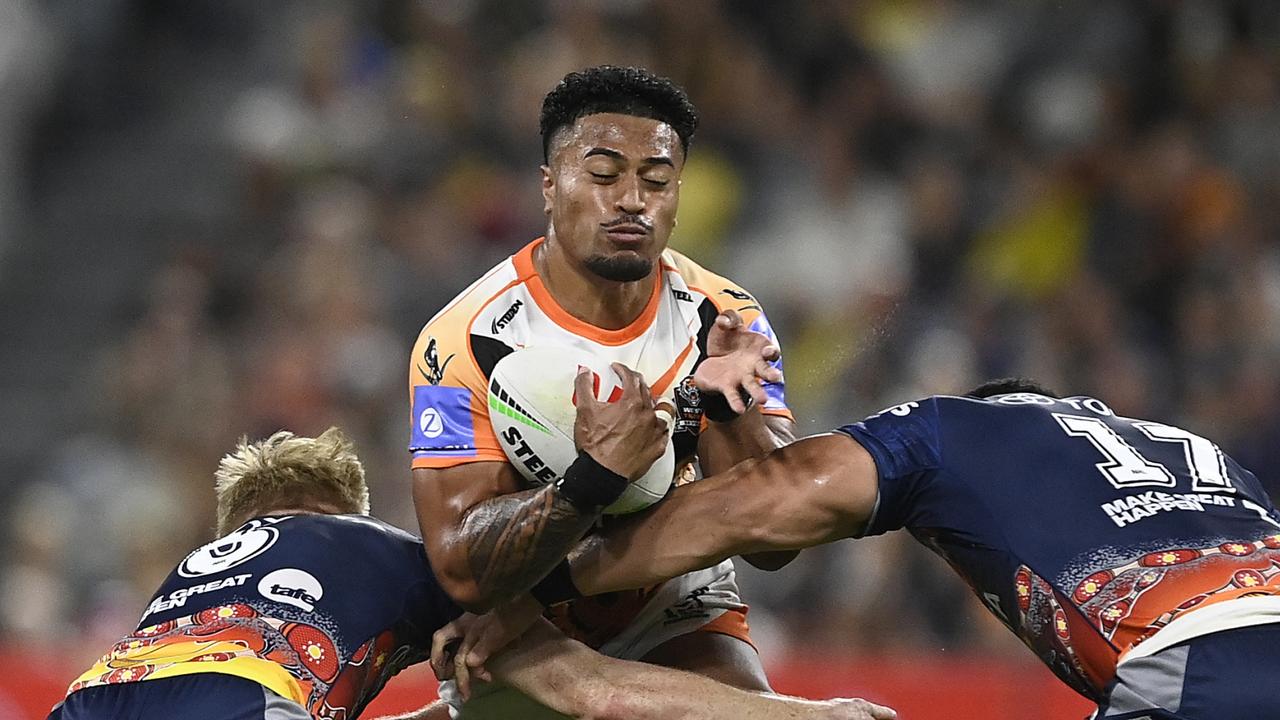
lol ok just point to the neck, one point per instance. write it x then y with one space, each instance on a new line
588 297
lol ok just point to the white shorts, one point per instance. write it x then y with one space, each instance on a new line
686 604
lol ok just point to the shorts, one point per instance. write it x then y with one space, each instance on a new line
203 696
706 600
1226 675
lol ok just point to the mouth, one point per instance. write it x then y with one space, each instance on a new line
628 234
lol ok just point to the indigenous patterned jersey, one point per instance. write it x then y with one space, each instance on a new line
1086 533
320 609
510 308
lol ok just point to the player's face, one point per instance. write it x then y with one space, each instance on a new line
611 192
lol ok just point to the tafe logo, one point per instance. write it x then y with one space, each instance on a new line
431 423
291 586
246 543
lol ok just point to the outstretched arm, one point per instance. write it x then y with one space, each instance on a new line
738 360
813 491
752 435
808 493
572 679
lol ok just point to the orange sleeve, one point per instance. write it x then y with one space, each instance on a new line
725 294
448 398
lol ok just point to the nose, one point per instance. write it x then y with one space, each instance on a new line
630 198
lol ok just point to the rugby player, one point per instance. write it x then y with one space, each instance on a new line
602 279
1135 558
305 607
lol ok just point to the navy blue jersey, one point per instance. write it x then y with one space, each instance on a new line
322 609
1083 531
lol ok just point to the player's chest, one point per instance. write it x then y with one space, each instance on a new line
664 347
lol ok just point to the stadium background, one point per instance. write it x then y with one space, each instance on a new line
223 217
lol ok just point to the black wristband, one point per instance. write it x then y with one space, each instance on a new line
716 408
589 485
556 587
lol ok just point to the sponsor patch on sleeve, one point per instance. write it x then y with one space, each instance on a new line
442 422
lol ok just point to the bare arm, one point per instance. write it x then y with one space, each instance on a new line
811 492
738 360
753 435
570 678
486 538
438 710
814 491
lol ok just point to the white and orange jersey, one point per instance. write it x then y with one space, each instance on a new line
510 308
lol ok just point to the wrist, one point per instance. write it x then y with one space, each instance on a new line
589 486
556 587
715 408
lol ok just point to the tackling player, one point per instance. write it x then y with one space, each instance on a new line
305 607
1139 562
602 279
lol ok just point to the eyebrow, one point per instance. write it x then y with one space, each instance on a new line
607 152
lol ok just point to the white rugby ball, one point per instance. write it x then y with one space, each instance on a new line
532 412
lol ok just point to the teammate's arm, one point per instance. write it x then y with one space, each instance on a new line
570 678
487 539
810 492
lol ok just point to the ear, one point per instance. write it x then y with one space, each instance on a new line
548 189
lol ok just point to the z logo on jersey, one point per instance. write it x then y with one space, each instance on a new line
434 371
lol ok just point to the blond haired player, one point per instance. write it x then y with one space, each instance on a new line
604 280
305 607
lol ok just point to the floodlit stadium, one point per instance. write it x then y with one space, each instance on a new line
219 220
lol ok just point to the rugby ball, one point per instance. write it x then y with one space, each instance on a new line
532 412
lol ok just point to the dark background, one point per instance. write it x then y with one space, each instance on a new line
221 218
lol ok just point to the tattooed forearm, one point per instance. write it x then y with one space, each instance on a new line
514 540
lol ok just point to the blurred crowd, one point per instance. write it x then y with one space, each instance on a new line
255 207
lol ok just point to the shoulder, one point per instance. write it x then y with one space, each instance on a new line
453 322
445 352
362 530
723 293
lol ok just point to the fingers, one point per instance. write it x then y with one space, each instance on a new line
767 372
859 709
753 388
633 383
729 320
490 640
442 665
462 675
880 712
734 397
666 412
444 646
582 386
462 665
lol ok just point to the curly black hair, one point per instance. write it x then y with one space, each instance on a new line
625 90
1005 386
